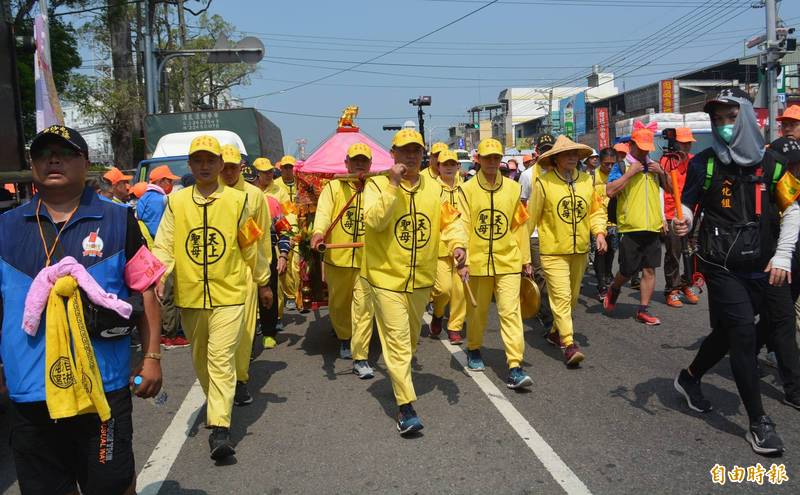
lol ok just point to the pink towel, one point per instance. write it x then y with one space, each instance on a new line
36 300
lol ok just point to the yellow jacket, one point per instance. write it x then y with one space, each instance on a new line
455 198
350 228
291 189
600 177
403 227
565 213
639 204
259 209
201 239
278 192
428 173
496 223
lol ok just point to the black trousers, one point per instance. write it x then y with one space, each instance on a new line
603 263
269 317
734 301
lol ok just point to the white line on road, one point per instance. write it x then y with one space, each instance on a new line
157 467
563 475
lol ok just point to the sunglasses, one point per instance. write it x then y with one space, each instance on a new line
48 153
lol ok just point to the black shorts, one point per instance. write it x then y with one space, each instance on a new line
639 250
53 457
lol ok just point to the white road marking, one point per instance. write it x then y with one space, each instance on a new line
157 467
557 468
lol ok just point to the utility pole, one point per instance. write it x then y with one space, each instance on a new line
149 57
549 120
773 59
187 88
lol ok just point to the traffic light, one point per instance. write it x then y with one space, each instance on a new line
472 125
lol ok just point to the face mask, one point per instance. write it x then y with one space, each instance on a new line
725 132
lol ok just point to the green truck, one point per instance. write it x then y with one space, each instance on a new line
259 136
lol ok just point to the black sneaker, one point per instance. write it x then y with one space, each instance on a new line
636 283
220 443
763 437
689 387
242 396
407 420
792 400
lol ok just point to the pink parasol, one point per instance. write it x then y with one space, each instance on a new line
329 157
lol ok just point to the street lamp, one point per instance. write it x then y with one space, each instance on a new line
419 102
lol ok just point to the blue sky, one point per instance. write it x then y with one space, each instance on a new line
514 43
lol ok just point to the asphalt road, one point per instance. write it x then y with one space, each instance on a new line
616 423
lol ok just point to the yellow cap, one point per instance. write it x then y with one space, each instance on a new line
490 146
359 149
288 160
230 154
263 164
407 136
205 143
447 155
438 148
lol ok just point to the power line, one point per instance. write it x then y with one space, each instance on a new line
372 60
589 3
320 116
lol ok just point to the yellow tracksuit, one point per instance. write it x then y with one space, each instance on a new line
499 245
448 288
281 194
401 244
257 204
204 241
564 214
290 279
349 306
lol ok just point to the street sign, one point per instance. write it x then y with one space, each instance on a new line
249 50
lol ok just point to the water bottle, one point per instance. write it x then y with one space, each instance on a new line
161 397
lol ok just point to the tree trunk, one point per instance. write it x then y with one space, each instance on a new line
187 87
119 27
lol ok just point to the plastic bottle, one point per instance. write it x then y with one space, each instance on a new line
161 397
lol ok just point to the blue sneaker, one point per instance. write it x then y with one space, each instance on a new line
290 305
517 378
474 360
407 420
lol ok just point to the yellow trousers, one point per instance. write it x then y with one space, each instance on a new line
399 316
563 274
506 289
350 308
448 289
245 348
289 281
215 334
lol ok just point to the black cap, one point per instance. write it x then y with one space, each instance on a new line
545 142
786 150
249 173
726 98
61 133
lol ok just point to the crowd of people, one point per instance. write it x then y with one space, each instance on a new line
214 262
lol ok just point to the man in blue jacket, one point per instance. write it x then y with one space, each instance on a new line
63 219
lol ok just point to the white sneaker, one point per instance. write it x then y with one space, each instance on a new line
344 350
362 369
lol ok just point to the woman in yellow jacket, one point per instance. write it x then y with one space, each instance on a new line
349 306
565 207
499 249
448 289
290 277
207 236
404 218
231 176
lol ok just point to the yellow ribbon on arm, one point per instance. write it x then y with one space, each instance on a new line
787 190
73 384
449 214
249 233
521 216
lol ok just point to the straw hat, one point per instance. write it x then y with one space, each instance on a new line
563 143
530 298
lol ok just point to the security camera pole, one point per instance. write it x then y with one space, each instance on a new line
422 101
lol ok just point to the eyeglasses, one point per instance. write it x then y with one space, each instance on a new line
48 153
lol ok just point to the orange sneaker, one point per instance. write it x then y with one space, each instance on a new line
690 296
674 299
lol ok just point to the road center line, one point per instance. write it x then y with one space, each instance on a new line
157 467
557 468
